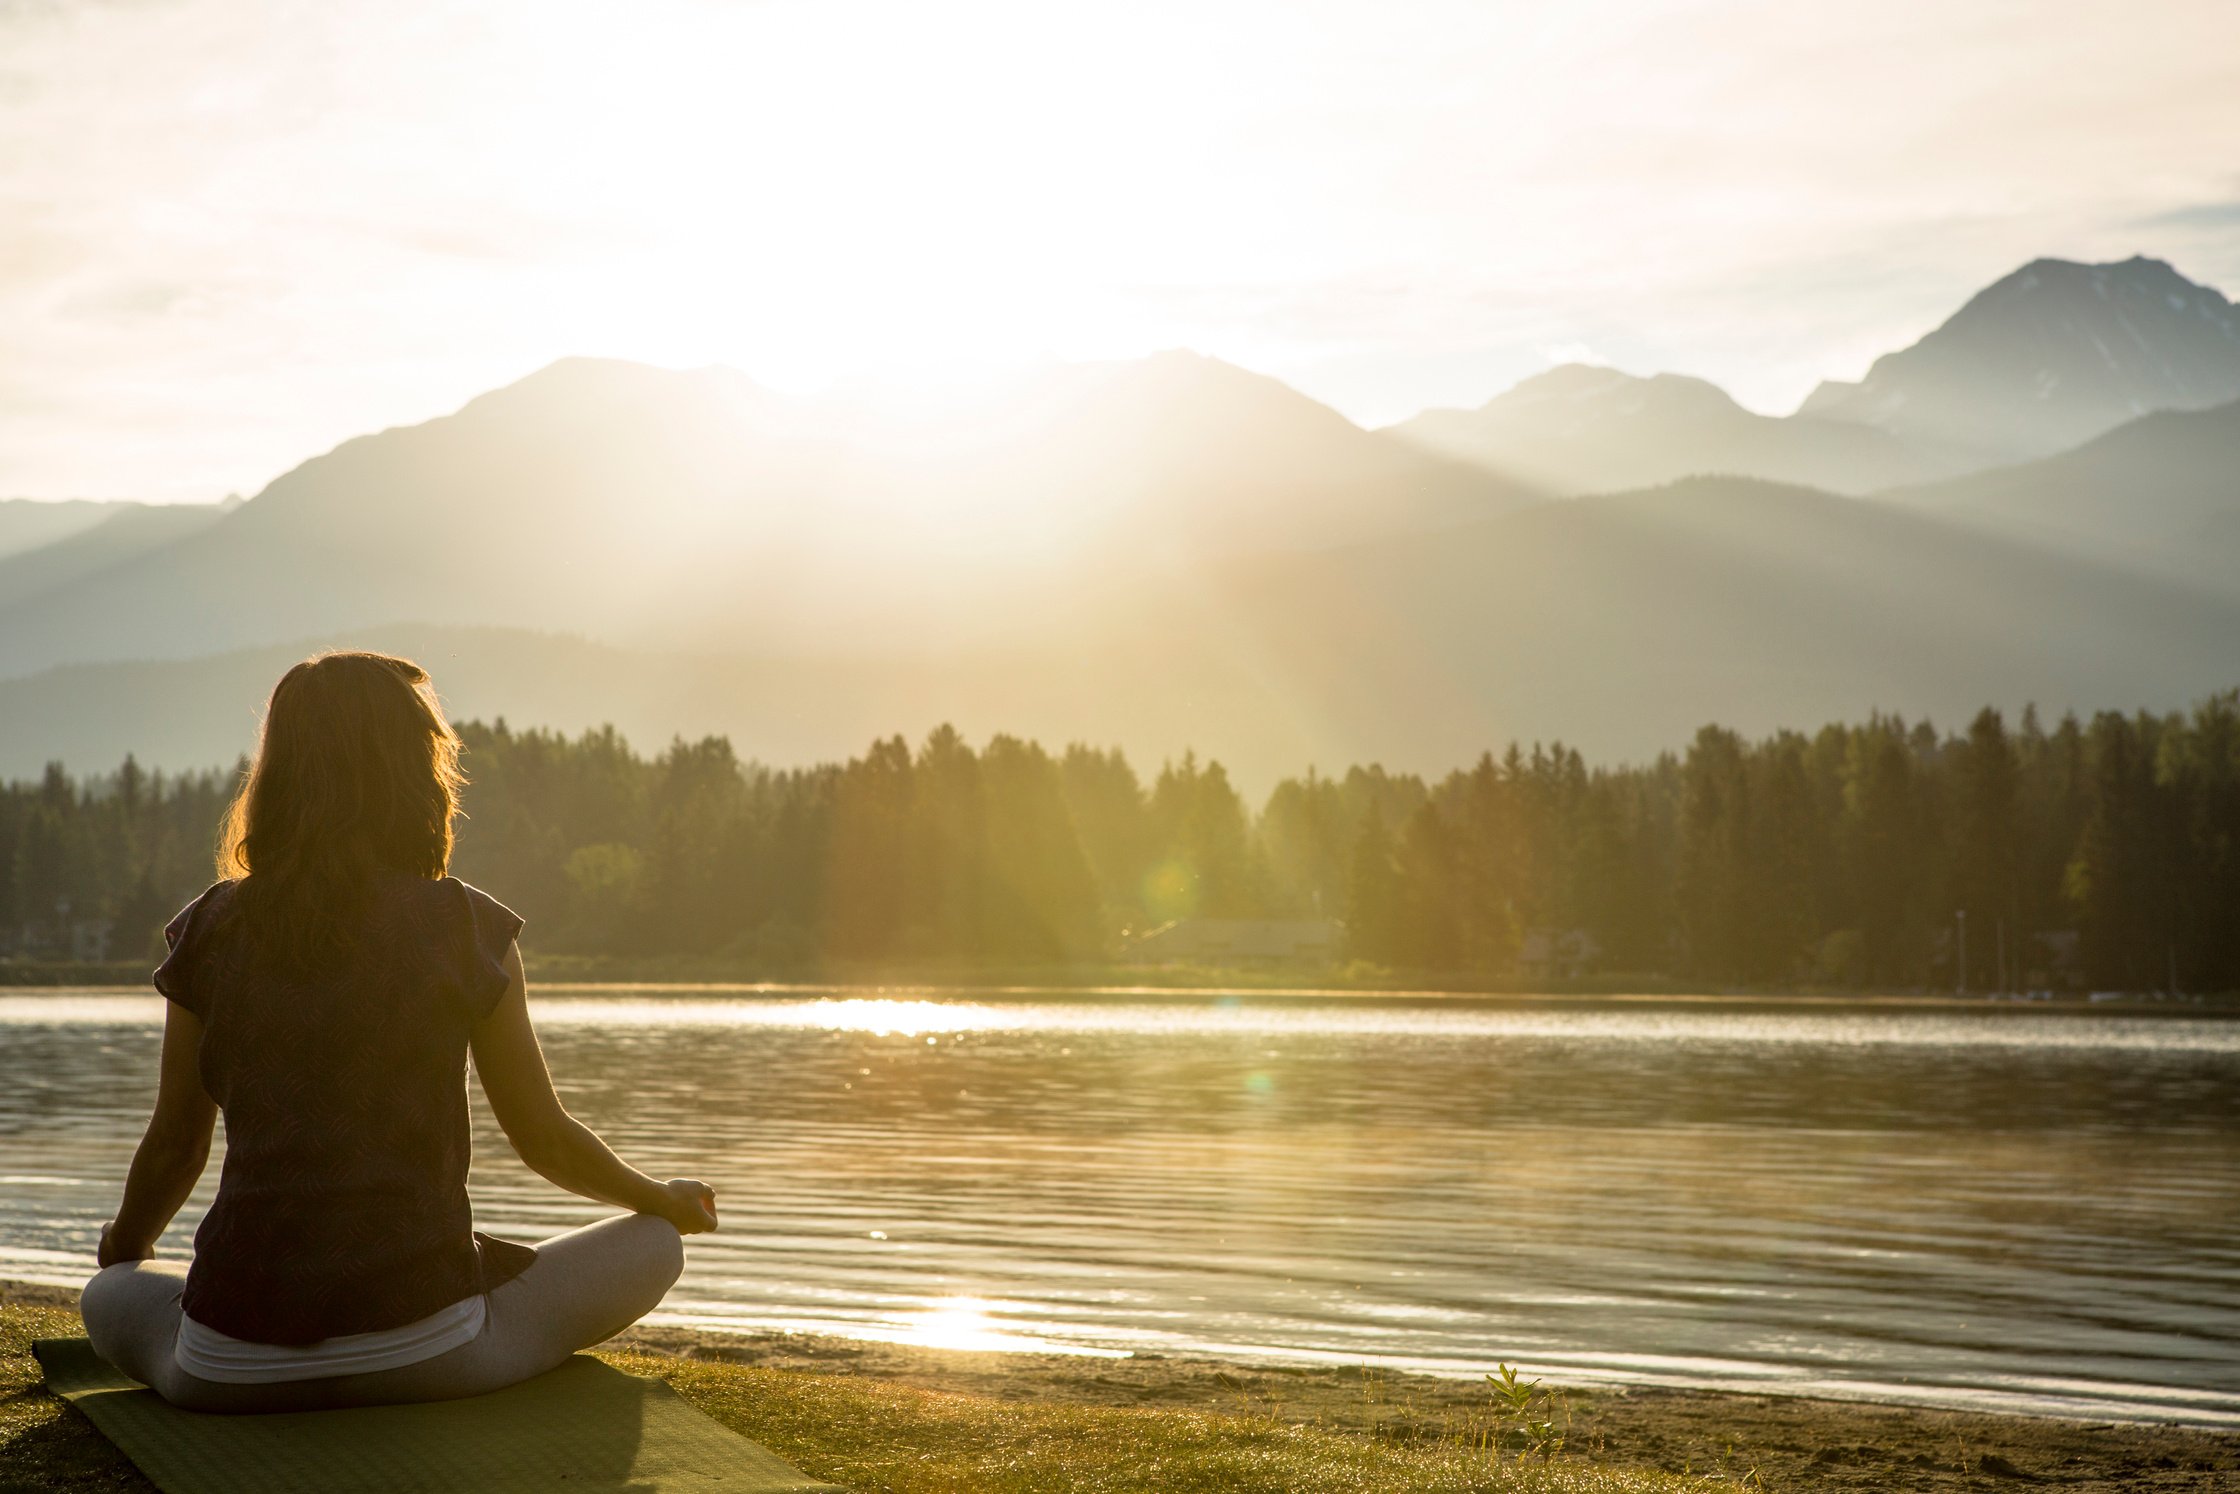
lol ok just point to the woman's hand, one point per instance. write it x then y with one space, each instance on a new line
172 1154
115 1251
556 1145
690 1205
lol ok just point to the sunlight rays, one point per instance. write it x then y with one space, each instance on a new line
1390 206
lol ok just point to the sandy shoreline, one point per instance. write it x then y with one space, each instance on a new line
1792 1443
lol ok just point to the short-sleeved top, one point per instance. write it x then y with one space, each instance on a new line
342 1207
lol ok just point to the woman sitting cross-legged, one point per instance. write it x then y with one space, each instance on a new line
325 996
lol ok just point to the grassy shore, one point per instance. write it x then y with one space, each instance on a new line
871 1434
914 1421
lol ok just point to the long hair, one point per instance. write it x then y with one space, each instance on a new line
356 773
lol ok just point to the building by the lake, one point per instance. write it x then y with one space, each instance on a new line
1237 941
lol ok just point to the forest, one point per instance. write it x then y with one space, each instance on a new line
2101 853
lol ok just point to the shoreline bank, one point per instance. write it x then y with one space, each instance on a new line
1792 1442
104 983
562 972
1789 1443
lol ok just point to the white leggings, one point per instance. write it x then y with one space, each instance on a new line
586 1285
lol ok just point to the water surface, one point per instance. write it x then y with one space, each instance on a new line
2018 1210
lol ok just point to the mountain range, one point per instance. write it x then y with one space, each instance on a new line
649 506
2040 361
1173 552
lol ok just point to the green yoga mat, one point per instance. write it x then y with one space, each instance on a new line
585 1426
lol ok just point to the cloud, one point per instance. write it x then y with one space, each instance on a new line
240 230
1560 353
129 301
2211 215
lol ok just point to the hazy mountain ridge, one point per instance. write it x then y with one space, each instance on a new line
104 526
2162 492
640 504
1617 623
1582 429
30 523
109 536
1623 622
2148 480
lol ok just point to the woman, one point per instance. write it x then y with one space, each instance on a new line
325 995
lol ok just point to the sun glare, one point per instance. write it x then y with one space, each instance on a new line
820 193
970 1324
883 1017
960 1323
947 234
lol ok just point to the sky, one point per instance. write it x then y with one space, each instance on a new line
237 233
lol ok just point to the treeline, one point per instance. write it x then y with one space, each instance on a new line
93 870
2104 853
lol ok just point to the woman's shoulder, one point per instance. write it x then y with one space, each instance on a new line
433 892
456 890
461 904
187 941
486 932
203 913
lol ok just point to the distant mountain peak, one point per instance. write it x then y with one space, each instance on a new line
2046 280
1584 428
1568 380
2137 264
1666 394
2049 356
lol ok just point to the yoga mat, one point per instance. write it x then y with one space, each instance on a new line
584 1426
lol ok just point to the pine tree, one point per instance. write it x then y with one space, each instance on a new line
1373 896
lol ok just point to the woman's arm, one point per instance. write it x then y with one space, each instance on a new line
174 1150
554 1143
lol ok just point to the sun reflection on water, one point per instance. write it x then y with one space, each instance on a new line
1409 1186
886 1017
970 1324
959 1323
880 1016
1215 1014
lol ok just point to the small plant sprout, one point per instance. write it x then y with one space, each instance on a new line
1531 1410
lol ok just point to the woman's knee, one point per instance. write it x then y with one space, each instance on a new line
131 1313
587 1285
630 1257
648 1262
98 1297
660 1247
130 1290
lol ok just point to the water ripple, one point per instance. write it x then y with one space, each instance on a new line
2000 1209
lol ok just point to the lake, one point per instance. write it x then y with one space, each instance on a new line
2003 1209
